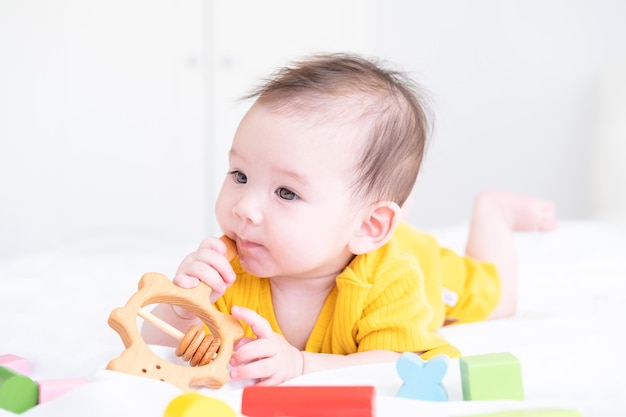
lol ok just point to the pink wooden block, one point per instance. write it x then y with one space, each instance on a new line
15 363
53 388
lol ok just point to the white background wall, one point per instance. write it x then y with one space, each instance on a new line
101 120
115 116
516 87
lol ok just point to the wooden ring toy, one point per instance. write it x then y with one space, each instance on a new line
139 359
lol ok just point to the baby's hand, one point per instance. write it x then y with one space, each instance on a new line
269 358
209 265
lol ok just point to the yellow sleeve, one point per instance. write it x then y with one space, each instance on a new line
477 285
388 310
397 315
474 284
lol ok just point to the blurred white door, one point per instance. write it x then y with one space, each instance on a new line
102 120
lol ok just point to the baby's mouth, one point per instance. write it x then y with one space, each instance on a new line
246 244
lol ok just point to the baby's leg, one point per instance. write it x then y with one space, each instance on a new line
523 213
495 217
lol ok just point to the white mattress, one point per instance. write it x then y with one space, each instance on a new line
54 308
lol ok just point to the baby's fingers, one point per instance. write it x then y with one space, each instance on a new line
213 252
256 350
263 371
193 271
259 325
209 265
186 281
243 341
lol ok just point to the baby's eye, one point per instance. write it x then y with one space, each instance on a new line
239 177
287 194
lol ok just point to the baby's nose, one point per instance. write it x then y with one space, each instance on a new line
248 209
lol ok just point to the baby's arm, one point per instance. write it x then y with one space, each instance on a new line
314 362
495 218
207 264
271 360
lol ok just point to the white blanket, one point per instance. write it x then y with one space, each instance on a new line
54 308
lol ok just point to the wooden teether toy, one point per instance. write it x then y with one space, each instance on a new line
196 346
211 352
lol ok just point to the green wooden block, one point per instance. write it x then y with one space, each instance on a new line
493 376
18 393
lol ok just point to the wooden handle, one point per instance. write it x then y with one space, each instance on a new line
231 252
231 248
164 326
138 359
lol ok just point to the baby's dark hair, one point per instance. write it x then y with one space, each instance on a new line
385 104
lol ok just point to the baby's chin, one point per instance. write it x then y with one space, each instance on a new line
263 263
253 267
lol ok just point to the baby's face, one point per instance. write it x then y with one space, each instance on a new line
286 199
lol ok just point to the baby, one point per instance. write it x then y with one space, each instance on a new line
327 274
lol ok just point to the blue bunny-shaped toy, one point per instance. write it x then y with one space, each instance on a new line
422 379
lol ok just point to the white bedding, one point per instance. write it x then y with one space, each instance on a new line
54 308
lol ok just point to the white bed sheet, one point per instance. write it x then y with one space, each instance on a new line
568 333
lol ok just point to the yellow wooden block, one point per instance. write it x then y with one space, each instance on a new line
192 404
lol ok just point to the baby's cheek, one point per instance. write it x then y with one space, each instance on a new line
221 212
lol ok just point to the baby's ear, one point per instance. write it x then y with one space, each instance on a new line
378 224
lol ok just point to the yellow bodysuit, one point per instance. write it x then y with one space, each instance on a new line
389 299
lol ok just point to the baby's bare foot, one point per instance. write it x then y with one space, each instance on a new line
523 213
